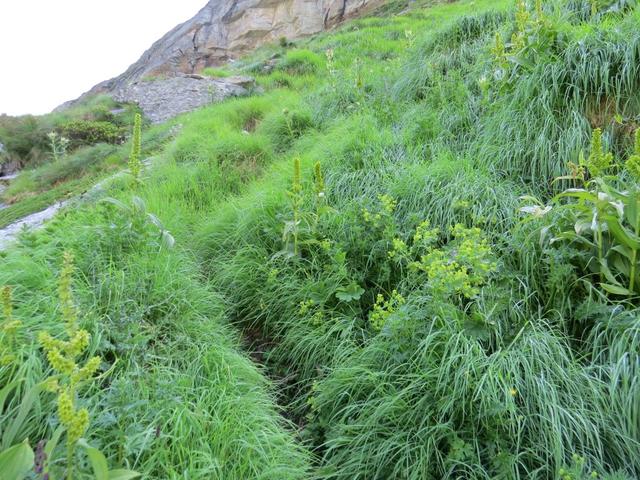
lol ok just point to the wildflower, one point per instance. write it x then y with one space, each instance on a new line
8 329
388 203
598 161
382 309
399 249
513 392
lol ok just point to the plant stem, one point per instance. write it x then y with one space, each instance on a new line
634 253
70 451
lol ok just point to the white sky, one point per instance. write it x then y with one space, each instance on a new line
52 51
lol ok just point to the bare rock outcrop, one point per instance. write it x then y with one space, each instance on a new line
226 29
163 99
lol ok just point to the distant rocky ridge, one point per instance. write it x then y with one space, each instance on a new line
162 81
226 29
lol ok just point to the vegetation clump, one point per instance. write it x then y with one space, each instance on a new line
413 255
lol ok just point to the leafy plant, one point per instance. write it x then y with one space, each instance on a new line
138 223
9 351
605 219
58 145
70 376
90 132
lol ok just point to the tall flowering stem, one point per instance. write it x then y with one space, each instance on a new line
8 329
295 195
135 163
63 358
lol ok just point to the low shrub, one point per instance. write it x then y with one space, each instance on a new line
90 132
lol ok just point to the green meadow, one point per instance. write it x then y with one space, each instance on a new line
411 254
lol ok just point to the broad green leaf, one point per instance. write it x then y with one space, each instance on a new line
15 462
116 203
97 460
615 289
604 269
631 207
121 474
622 234
53 443
623 250
621 265
352 292
579 193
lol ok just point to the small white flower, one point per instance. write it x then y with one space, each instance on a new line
321 194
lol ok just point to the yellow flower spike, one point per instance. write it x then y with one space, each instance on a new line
7 359
7 305
297 177
60 363
513 392
78 426
49 343
65 408
89 369
51 385
78 343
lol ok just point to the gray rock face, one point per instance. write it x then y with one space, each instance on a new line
161 100
225 29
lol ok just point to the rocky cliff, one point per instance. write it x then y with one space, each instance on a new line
225 29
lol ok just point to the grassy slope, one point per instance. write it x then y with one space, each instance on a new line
399 114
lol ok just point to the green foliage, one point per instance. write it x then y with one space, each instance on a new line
216 72
89 132
406 322
603 222
301 62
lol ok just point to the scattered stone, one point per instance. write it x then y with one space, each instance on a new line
168 98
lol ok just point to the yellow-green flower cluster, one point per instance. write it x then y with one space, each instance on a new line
384 308
8 330
499 52
598 161
398 249
75 421
296 186
62 356
425 236
382 218
460 267
388 203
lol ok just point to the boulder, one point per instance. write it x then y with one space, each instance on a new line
163 99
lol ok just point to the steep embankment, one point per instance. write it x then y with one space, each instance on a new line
384 219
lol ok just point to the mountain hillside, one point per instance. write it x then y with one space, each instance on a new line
226 29
411 252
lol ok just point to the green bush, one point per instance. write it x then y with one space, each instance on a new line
90 132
